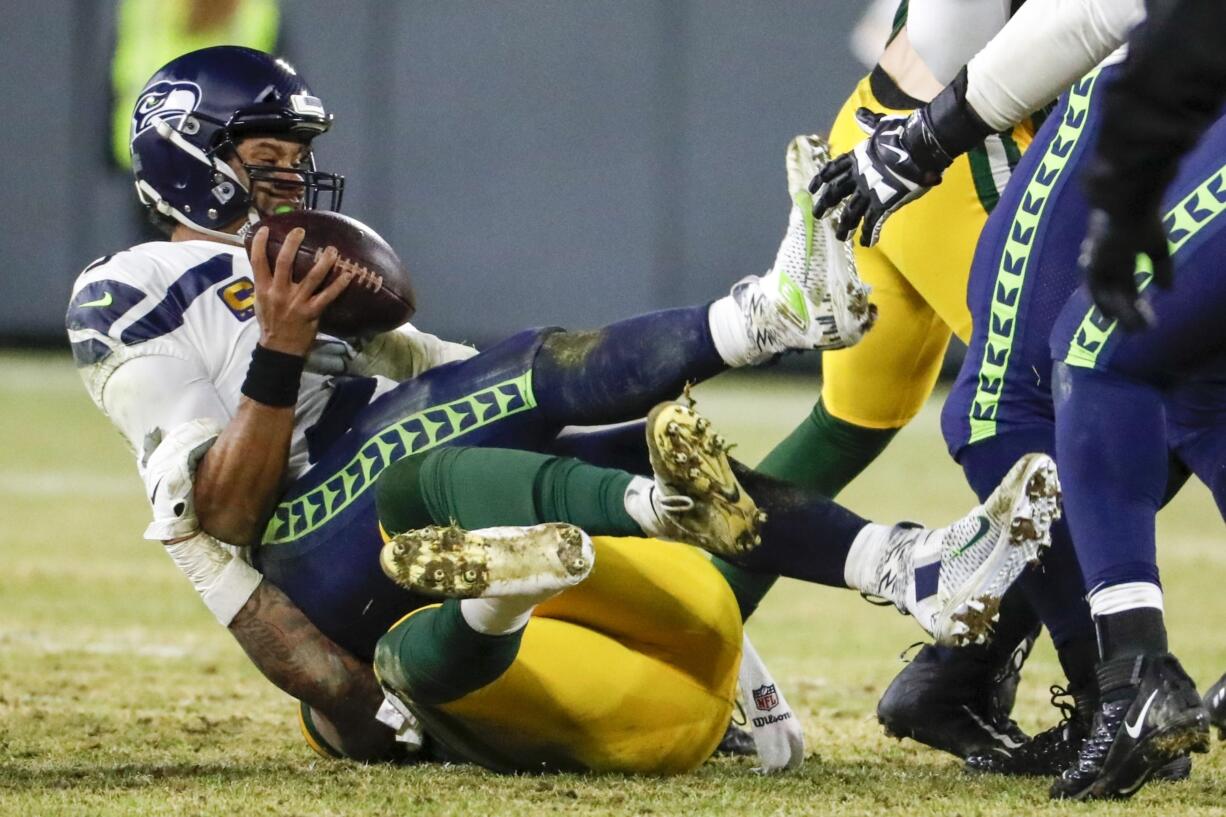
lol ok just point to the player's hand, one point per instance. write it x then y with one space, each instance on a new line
289 312
879 175
1109 260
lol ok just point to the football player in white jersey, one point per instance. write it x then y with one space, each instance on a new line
201 357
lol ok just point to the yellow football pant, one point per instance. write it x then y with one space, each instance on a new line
633 671
918 271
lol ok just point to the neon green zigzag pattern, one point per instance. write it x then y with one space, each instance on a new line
1187 218
1007 293
418 432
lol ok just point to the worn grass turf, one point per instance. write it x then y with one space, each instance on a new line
120 696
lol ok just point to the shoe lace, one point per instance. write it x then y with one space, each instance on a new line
1063 700
1047 751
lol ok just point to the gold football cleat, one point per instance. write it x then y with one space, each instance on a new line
691 463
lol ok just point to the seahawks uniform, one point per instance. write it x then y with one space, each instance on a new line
1028 310
163 334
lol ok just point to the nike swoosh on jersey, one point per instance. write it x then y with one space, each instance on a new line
1134 729
105 300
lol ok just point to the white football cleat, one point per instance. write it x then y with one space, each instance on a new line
488 562
952 579
810 249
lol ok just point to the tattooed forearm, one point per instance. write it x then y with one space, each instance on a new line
305 663
298 658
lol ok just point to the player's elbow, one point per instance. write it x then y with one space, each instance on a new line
227 518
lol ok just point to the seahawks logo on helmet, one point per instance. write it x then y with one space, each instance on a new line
168 100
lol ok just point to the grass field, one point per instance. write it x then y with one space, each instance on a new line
119 695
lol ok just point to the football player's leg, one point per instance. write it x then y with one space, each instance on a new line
632 671
1003 389
869 391
1196 428
619 446
1112 390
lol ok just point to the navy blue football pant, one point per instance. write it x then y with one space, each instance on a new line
1000 406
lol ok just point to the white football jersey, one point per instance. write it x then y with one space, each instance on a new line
163 334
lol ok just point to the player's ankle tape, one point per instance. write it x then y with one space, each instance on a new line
273 377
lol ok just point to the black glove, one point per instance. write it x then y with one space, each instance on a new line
901 159
1109 259
880 174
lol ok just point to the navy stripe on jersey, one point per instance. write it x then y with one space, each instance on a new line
99 304
167 316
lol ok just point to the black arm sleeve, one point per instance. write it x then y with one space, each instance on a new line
1168 93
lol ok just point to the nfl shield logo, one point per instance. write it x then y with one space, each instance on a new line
765 698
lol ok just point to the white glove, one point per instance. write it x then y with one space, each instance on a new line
776 732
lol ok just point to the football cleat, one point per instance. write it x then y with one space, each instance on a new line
1055 749
1051 751
957 703
698 498
952 579
1148 717
505 561
810 248
1215 702
812 297
736 742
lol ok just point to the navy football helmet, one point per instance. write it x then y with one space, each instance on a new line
188 118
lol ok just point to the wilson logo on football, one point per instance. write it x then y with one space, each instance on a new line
169 101
765 698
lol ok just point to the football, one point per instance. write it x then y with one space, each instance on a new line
379 298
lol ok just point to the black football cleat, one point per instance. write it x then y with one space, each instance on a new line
1051 751
736 742
958 702
1149 716
1215 702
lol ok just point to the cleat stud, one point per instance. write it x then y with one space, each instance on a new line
681 456
693 473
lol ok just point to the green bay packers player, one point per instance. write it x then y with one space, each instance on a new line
918 272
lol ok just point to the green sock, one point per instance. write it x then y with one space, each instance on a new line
825 453
747 588
484 487
435 657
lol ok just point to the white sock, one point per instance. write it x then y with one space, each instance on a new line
500 615
860 569
730 334
1117 598
647 505
640 507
